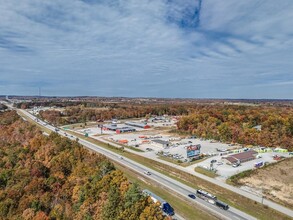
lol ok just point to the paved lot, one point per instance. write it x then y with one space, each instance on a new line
226 170
177 149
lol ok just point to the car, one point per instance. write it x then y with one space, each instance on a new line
220 163
147 172
213 161
236 165
191 196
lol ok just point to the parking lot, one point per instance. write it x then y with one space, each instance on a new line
224 170
144 139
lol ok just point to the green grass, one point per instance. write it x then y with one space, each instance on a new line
206 172
168 159
234 180
183 164
126 146
249 206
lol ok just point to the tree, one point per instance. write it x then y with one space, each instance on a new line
132 196
111 210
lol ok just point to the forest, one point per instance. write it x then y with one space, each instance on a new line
226 123
237 124
83 113
50 177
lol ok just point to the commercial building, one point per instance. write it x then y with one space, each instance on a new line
110 127
136 124
241 157
161 143
124 130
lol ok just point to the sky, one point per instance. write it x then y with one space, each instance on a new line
147 48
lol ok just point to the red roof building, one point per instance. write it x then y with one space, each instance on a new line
241 157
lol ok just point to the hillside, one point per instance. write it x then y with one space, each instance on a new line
54 178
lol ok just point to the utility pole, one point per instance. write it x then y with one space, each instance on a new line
262 196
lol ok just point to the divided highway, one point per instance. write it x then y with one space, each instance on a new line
167 182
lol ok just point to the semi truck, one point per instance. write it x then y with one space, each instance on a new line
211 199
222 205
165 206
203 194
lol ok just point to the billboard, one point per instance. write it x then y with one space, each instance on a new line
193 150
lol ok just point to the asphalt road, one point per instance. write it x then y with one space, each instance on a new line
169 183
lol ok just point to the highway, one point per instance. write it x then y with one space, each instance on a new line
167 182
234 189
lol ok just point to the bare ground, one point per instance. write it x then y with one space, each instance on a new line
276 182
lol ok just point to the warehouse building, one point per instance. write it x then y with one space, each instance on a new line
124 130
161 143
110 127
139 125
241 157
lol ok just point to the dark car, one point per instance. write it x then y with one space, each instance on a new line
192 196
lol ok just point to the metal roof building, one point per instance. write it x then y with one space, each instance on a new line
125 129
241 157
161 143
136 124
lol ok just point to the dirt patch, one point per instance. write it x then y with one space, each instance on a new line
275 180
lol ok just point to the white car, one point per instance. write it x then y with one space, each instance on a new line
147 172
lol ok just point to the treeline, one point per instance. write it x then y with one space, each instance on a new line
237 124
55 178
119 111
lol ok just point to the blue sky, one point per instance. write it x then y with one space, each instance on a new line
147 48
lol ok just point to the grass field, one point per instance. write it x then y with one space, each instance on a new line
205 172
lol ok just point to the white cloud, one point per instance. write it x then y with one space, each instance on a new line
146 48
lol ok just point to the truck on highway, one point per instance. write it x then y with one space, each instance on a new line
221 204
205 195
165 206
